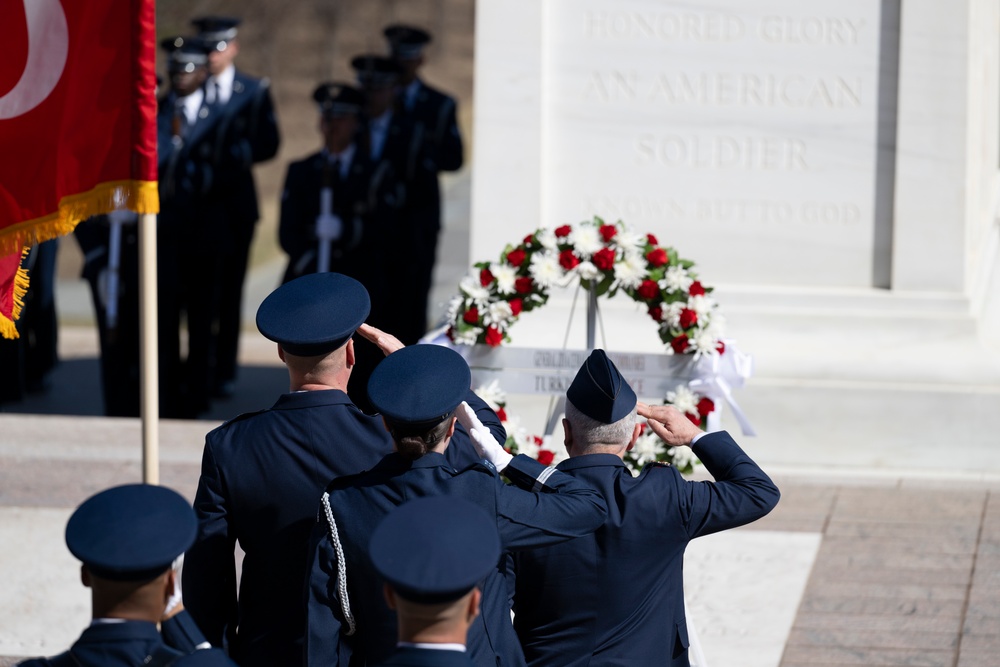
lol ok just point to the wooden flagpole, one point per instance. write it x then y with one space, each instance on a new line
149 374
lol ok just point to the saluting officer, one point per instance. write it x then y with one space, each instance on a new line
128 538
263 472
419 391
617 596
247 135
337 210
432 553
435 113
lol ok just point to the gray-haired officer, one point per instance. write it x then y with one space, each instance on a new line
420 392
128 538
432 553
616 596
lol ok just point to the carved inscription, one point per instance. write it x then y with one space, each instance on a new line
722 210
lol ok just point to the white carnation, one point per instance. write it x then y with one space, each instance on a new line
648 448
676 279
587 271
630 271
545 268
702 305
525 443
473 288
547 239
492 394
683 399
703 343
468 337
629 239
586 240
681 457
672 314
499 314
505 275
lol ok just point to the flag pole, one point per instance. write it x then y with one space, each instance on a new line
149 391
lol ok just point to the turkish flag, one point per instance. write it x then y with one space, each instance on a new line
77 122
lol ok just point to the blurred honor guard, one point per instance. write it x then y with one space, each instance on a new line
129 538
432 553
434 114
420 392
247 134
389 134
337 210
616 596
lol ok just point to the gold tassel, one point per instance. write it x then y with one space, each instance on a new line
7 327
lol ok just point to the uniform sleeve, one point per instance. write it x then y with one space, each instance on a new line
449 154
740 494
182 633
544 506
210 566
322 642
293 232
264 135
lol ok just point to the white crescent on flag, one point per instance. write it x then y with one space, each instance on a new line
48 46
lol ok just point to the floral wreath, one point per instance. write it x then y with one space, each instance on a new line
606 258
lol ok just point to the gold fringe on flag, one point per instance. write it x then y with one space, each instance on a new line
7 327
138 196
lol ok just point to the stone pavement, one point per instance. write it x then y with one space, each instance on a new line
858 565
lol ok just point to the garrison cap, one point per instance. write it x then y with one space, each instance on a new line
374 71
314 314
405 41
217 31
185 54
132 532
599 390
419 384
436 548
338 99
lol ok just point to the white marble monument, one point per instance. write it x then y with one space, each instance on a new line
831 166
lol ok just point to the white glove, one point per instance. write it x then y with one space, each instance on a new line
176 598
482 438
329 227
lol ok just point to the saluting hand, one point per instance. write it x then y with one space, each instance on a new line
385 342
669 423
482 437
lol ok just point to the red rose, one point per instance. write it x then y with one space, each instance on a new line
657 257
688 318
679 343
523 285
493 337
563 231
516 257
608 232
538 440
545 457
656 313
501 414
485 277
721 347
705 406
529 239
568 260
695 419
451 334
649 289
471 316
652 240
696 289
604 259
515 306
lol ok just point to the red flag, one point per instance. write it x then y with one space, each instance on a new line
77 122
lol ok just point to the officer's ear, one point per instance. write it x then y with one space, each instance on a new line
389 595
473 609
85 576
451 429
350 352
567 434
636 432
281 353
171 585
